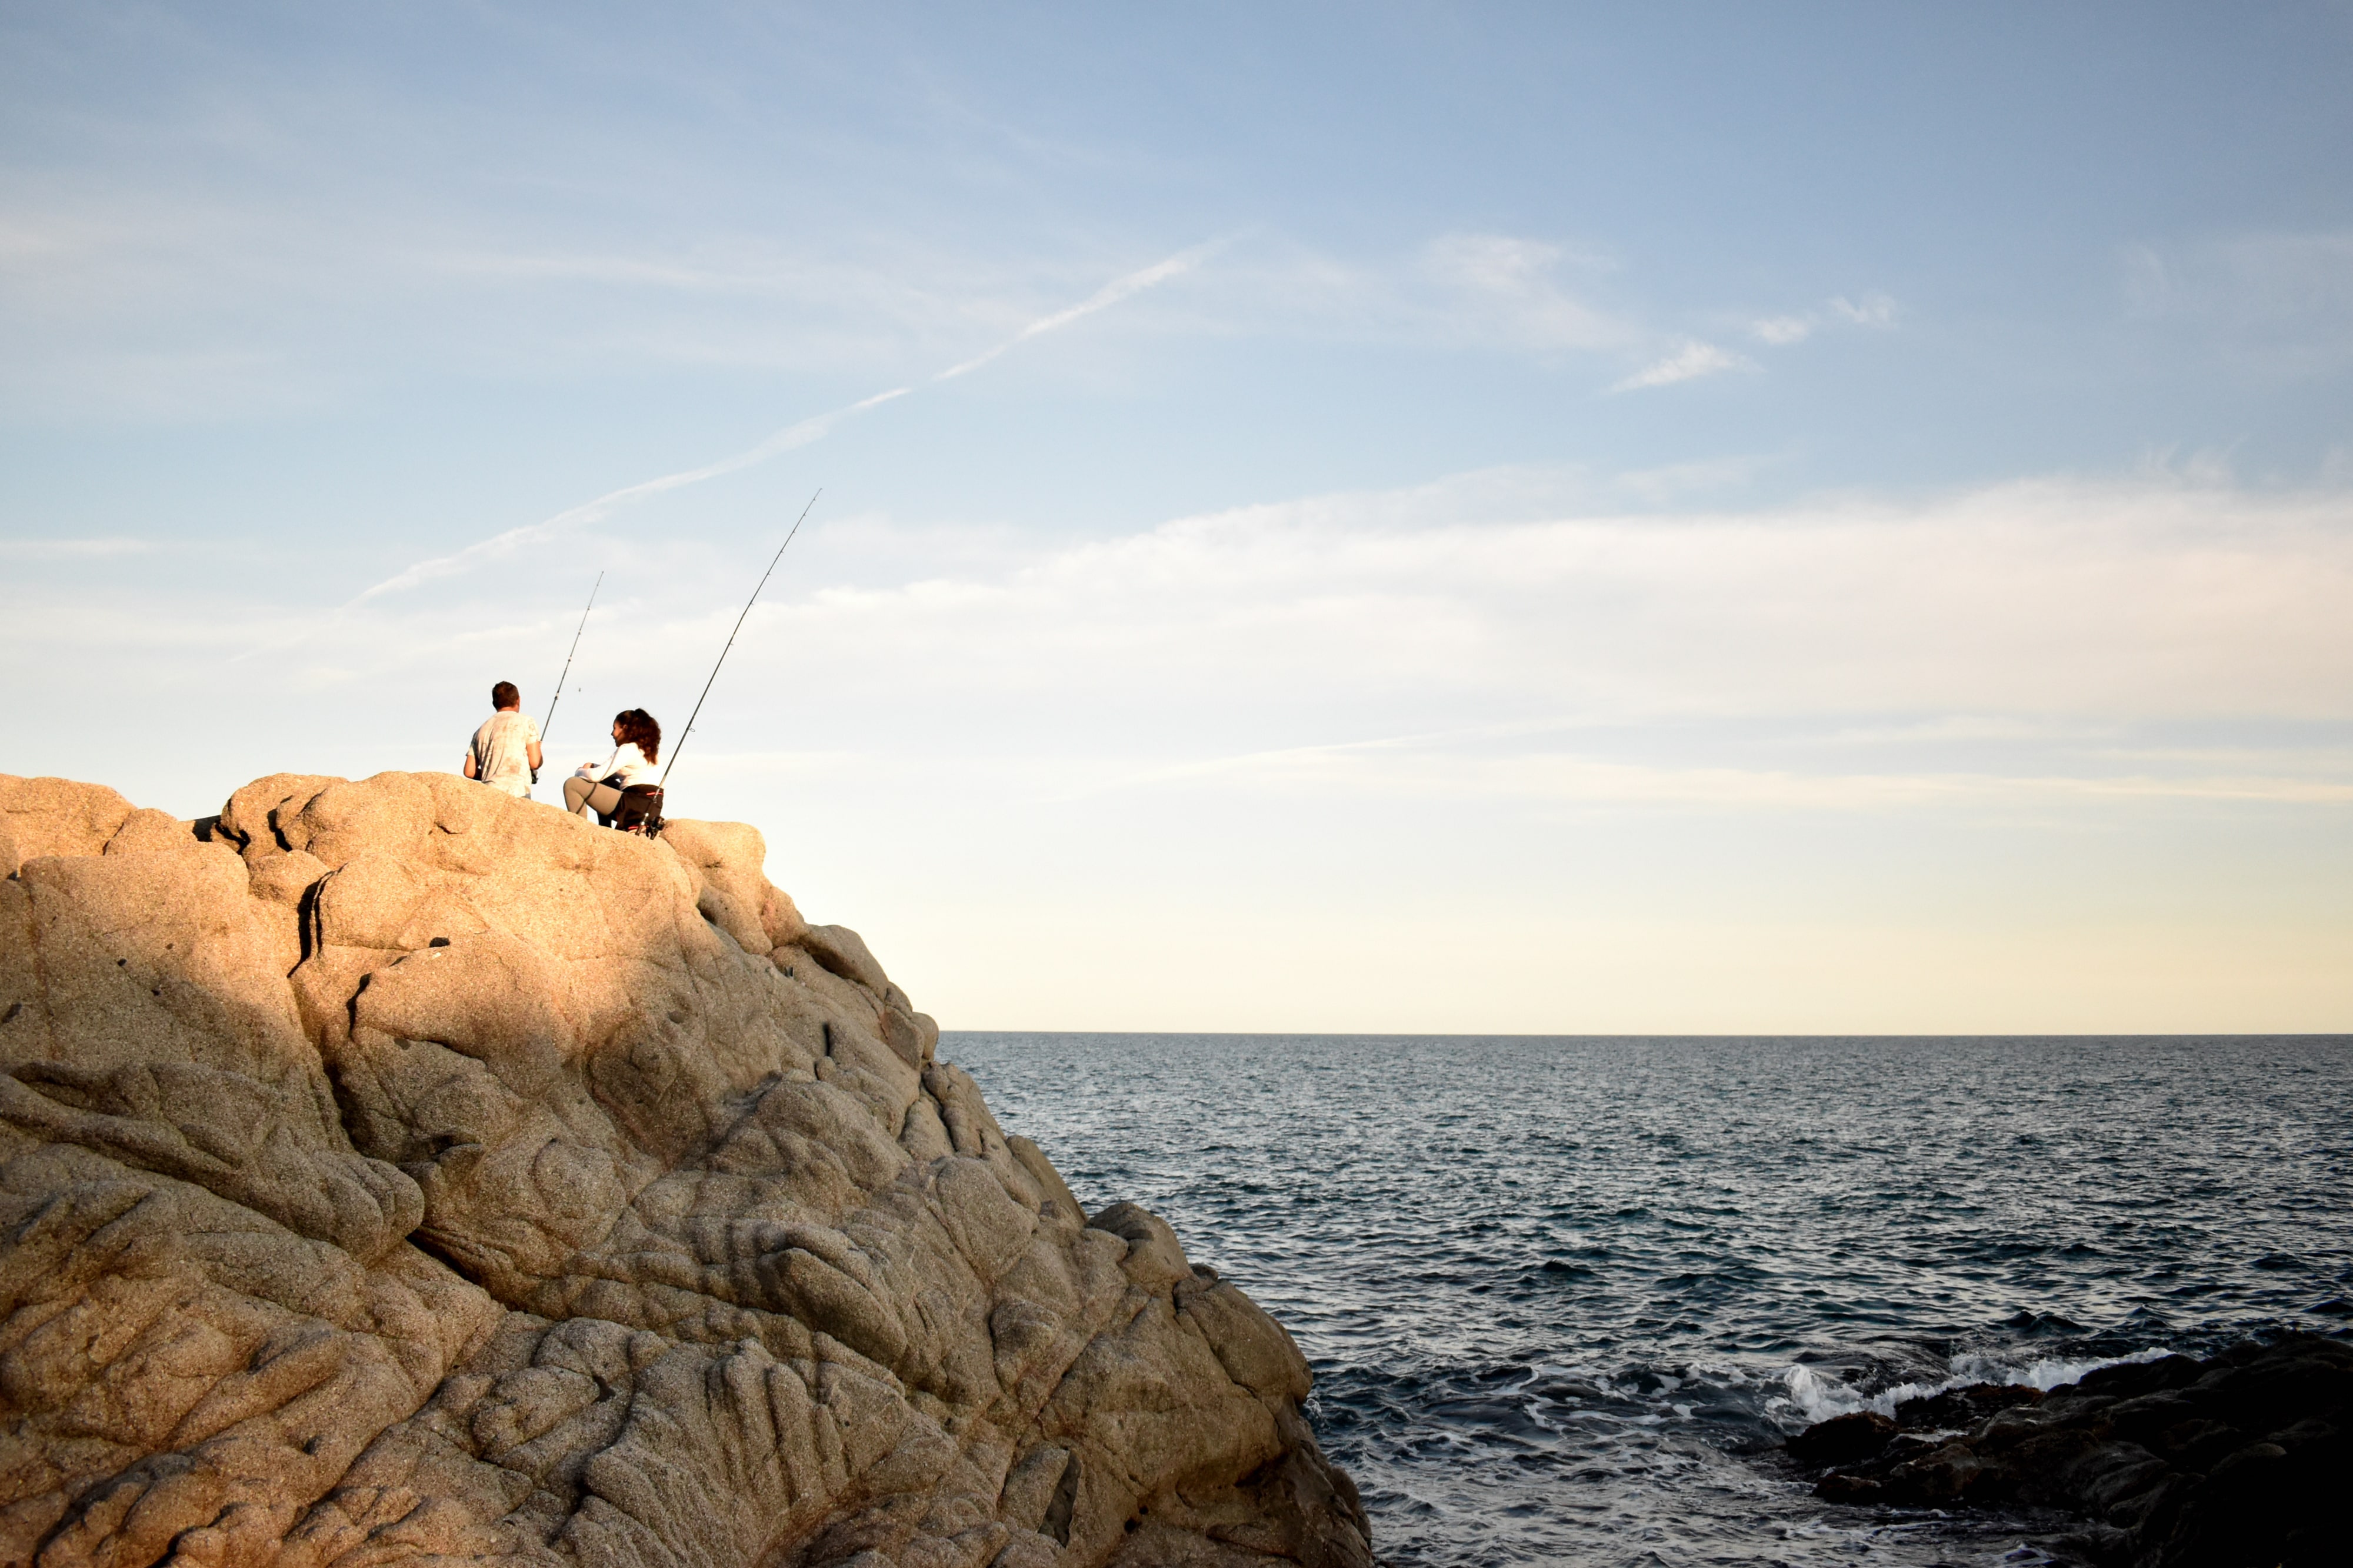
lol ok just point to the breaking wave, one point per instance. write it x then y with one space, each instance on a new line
1814 1397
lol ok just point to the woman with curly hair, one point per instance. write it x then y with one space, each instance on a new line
595 789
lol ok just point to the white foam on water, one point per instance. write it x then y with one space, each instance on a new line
1819 1398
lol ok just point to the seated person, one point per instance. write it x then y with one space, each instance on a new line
595 790
505 751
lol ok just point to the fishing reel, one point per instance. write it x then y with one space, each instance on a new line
640 811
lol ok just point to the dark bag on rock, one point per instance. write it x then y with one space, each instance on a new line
641 810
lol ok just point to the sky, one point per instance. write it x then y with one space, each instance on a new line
1403 518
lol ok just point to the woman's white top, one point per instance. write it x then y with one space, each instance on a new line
626 761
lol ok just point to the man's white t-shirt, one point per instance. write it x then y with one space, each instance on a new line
501 752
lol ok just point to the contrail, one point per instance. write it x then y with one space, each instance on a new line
1110 294
793 435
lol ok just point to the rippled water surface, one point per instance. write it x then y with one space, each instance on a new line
1564 1295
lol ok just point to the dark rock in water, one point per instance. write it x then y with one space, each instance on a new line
1840 1486
2240 1462
1957 1408
1842 1440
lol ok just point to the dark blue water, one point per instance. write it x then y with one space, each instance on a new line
1565 1296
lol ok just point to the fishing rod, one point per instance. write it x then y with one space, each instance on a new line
755 599
567 657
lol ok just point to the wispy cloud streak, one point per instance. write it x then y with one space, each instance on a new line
802 434
71 549
1101 299
1690 362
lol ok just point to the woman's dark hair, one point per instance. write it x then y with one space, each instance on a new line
639 728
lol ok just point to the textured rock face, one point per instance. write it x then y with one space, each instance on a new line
394 1171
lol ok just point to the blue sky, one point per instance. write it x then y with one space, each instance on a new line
1535 517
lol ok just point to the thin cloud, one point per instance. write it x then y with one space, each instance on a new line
2280 302
1965 729
1394 768
1507 290
1693 361
71 549
1982 615
1674 481
1874 311
2056 600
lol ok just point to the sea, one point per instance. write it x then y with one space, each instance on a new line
1564 1298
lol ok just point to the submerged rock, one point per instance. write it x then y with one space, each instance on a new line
2239 1461
394 1171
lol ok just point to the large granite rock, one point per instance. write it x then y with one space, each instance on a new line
393 1171
2238 1461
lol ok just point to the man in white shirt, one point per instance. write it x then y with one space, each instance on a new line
505 752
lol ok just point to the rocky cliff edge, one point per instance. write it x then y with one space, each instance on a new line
393 1171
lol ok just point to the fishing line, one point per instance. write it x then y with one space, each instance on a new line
755 599
567 669
567 658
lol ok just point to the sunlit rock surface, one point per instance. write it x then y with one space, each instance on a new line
393 1171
